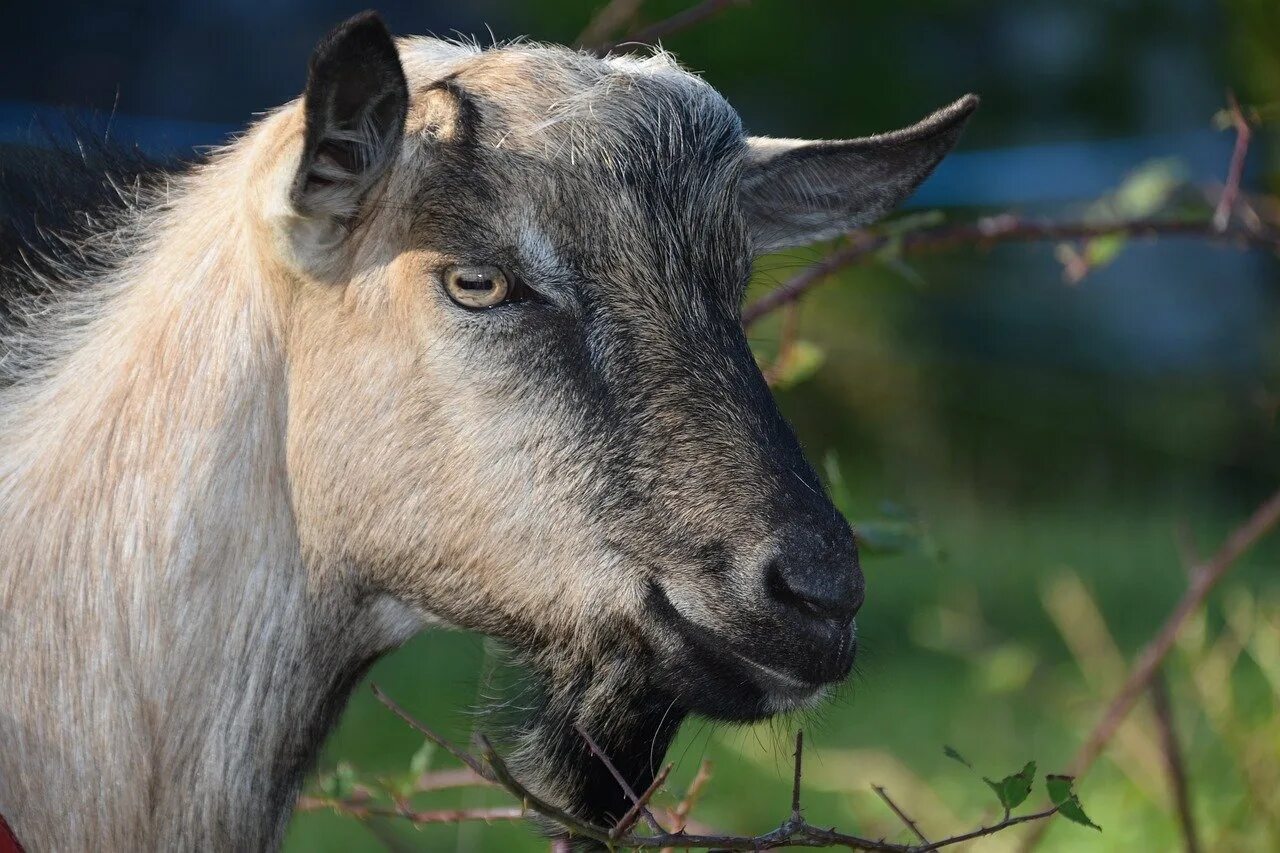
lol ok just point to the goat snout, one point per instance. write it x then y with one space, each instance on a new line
814 574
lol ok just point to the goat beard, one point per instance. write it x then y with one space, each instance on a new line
631 721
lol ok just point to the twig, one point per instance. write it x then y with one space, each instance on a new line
1204 578
795 785
503 776
983 831
611 18
456 751
357 810
678 22
1188 552
902 816
680 814
990 231
620 779
1235 172
441 780
1173 762
628 820
691 795
793 832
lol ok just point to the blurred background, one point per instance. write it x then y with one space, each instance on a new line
1032 460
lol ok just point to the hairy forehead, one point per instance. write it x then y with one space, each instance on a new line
641 120
617 160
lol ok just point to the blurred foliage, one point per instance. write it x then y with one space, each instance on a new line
1256 62
1056 443
1145 193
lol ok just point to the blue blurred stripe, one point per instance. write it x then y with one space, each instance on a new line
28 122
1021 175
1069 171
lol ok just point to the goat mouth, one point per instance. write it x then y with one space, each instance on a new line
785 692
723 682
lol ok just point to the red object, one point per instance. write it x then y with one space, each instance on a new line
8 841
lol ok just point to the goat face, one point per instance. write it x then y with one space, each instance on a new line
521 397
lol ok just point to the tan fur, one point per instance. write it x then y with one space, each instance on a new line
165 485
265 448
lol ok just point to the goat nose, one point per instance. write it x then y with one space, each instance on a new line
817 575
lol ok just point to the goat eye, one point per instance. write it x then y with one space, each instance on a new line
477 287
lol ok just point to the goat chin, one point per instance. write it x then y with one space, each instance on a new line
631 722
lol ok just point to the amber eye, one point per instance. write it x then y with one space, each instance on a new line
477 287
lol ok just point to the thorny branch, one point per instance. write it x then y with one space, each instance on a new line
1204 578
1235 172
794 831
902 816
358 802
637 803
692 16
1174 763
680 814
457 752
864 246
612 17
628 820
795 785
356 810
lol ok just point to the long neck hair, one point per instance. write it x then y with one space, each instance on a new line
175 663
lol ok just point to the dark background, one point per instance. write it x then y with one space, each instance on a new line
1041 444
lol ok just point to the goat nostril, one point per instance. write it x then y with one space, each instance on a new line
812 591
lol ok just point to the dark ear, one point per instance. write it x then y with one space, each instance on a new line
355 104
796 192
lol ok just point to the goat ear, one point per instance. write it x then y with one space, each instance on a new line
355 107
795 191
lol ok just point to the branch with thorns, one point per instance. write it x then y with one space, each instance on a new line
1146 669
865 247
794 831
617 13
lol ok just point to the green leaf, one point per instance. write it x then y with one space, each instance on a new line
951 753
1074 812
421 759
325 783
1062 796
1059 787
800 361
344 781
1148 188
913 222
1013 791
1101 251
900 532
887 537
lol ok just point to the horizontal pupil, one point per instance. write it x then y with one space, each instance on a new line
475 283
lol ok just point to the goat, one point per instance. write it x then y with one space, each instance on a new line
452 340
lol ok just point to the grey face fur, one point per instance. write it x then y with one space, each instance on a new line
311 445
628 457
